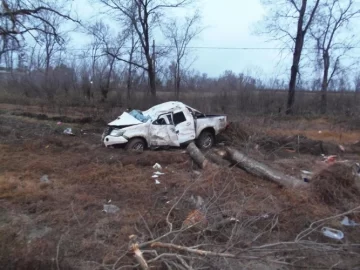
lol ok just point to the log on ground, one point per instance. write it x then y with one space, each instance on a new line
259 169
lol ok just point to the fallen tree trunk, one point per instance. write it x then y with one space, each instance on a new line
259 169
214 157
197 156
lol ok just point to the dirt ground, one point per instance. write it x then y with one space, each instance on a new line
58 222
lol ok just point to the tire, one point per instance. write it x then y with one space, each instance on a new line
136 144
206 140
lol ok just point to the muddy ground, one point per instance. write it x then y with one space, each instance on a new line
59 223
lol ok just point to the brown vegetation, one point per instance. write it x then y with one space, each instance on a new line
217 207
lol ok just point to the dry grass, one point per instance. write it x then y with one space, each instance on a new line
336 185
84 176
336 136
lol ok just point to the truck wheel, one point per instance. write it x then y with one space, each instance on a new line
206 140
136 144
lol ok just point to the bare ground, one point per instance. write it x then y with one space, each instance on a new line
61 225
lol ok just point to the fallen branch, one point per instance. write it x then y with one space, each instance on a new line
259 169
199 252
134 248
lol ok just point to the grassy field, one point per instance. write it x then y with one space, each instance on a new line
60 223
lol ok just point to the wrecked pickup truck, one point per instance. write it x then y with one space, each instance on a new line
170 124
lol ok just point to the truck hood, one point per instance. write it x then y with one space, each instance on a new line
125 120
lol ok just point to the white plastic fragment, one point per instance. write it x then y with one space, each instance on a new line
357 168
44 179
158 173
157 182
157 166
155 176
348 222
68 131
110 208
306 175
332 233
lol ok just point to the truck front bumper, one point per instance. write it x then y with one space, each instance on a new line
112 140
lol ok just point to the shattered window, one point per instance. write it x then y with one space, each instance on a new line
170 119
179 118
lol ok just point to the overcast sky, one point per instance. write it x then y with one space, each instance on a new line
228 25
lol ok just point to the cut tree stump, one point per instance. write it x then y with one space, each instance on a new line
259 169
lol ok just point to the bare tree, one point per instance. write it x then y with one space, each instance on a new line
332 43
145 16
27 17
286 16
180 36
133 47
357 83
108 47
50 47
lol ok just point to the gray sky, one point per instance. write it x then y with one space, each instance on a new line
228 24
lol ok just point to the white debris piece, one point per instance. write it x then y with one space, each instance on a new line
157 182
157 166
158 173
155 176
306 175
332 233
110 208
68 131
348 222
44 179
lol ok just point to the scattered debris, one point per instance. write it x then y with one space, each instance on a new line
306 175
158 173
58 123
157 166
45 179
155 176
342 148
110 208
330 159
348 222
68 131
357 168
332 233
198 201
157 182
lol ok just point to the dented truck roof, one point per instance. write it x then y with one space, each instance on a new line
127 119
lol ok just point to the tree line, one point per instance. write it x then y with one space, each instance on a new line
37 54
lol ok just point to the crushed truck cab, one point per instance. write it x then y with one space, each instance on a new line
167 124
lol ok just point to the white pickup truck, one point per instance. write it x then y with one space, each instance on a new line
167 124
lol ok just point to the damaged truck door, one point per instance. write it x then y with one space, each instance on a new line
184 125
162 131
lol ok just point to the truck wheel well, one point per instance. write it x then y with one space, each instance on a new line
209 129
